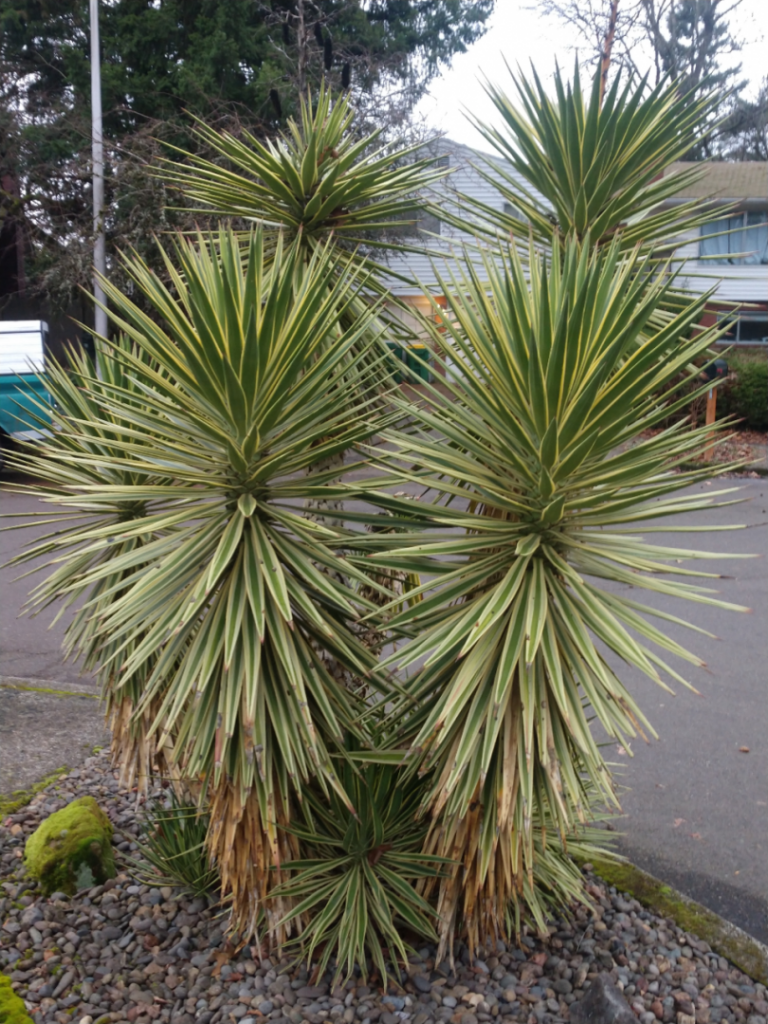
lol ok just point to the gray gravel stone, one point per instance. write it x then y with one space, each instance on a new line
121 944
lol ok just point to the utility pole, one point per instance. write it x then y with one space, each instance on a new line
99 244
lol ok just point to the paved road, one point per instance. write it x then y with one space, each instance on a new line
696 806
29 647
50 716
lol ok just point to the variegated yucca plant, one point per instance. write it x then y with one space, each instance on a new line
320 184
226 636
317 182
569 332
216 609
209 598
576 165
544 485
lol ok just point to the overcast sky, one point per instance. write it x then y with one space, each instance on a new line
520 35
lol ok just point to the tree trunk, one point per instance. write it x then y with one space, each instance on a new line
301 46
605 61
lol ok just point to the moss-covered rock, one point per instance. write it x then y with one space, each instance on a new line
71 849
12 1009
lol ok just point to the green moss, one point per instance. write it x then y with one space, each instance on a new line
47 689
71 849
21 797
12 1009
724 937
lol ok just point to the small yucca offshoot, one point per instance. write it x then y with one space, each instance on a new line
173 845
575 166
318 182
354 879
544 434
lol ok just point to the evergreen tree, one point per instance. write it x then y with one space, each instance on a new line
232 63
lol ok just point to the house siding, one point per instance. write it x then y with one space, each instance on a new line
448 248
731 284
741 283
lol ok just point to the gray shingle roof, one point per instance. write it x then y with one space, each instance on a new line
727 180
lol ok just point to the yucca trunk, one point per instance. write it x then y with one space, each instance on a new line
252 844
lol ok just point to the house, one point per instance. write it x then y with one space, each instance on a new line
443 240
731 251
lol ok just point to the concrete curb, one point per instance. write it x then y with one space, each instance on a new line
760 470
725 938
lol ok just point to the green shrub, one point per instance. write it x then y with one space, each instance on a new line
174 845
12 1009
746 396
71 849
359 871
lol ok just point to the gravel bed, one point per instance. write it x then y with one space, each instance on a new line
128 952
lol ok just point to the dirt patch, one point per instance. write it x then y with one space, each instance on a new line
744 446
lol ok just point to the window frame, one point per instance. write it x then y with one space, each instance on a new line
727 259
738 319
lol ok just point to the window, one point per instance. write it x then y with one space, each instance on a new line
747 329
427 222
747 233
